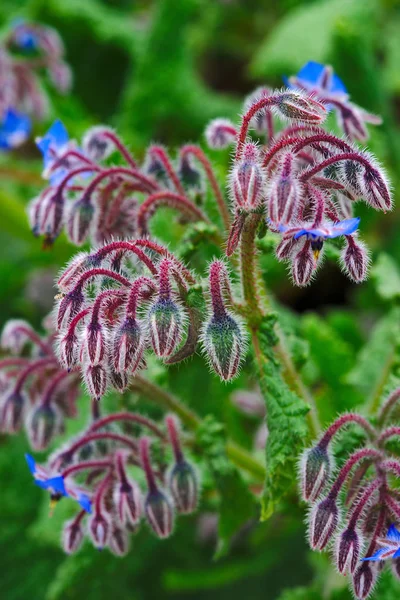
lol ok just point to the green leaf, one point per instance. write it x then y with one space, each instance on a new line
386 275
286 423
237 504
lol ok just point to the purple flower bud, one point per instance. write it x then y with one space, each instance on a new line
285 248
52 213
96 145
314 471
73 270
348 546
159 513
364 580
61 76
96 378
189 175
99 529
247 179
69 306
303 265
355 260
165 324
376 188
73 535
224 343
284 195
119 380
119 541
12 409
128 502
68 350
128 346
94 342
299 107
43 424
15 334
351 176
184 487
79 219
324 519
220 133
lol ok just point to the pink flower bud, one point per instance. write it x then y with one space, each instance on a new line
94 342
11 412
61 76
220 133
68 350
284 195
247 179
350 174
376 188
165 324
95 144
303 265
159 513
184 487
128 346
99 529
324 519
52 214
119 380
128 502
364 580
315 470
73 534
299 107
286 248
79 219
43 424
96 379
348 547
119 541
69 306
355 260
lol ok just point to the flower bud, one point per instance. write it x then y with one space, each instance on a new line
184 487
119 541
355 260
68 350
299 107
119 381
303 265
69 306
347 550
14 336
128 346
12 412
44 423
61 76
96 145
350 174
99 530
128 502
284 195
155 168
224 344
94 342
52 213
79 219
285 248
247 179
159 513
364 580
220 133
189 175
376 189
165 323
323 522
315 471
72 537
96 379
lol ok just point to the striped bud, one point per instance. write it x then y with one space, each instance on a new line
314 472
128 346
355 260
165 324
94 343
119 541
12 409
220 133
303 265
99 529
69 306
247 179
184 487
79 219
68 350
128 502
284 195
119 381
364 580
376 189
96 379
223 342
72 537
44 423
299 107
323 523
159 513
348 550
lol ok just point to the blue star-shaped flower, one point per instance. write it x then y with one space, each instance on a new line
52 145
315 76
390 546
14 129
24 35
323 232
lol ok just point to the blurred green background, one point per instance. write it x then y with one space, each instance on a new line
159 71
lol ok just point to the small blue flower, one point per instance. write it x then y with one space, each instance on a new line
14 129
24 35
314 75
391 546
52 145
324 232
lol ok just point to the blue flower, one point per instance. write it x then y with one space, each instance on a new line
390 546
14 129
52 145
24 35
316 76
323 232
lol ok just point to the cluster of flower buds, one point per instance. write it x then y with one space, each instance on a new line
352 509
35 392
104 470
303 181
95 200
26 50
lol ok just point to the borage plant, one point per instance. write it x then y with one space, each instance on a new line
131 301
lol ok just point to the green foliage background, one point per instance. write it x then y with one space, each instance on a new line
159 70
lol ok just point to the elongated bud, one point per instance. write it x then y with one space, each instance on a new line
377 189
61 76
69 306
247 179
96 145
73 534
119 380
79 219
184 487
74 269
235 233
284 194
348 546
154 167
128 346
364 580
220 133
52 214
99 529
323 522
350 173
299 107
355 259
119 541
96 378
43 424
286 248
128 502
165 323
224 343
190 175
94 342
68 350
15 334
12 412
303 265
314 471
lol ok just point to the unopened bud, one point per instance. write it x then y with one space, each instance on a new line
96 145
284 195
99 529
128 346
189 175
299 107
364 580
69 306
96 378
315 470
303 265
44 423
79 219
323 523
159 513
72 536
128 502
12 412
68 350
350 174
247 179
220 133
119 541
184 487
61 76
224 344
165 323
348 550
119 380
355 260
94 342
377 189
286 248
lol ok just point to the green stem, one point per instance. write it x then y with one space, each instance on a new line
236 453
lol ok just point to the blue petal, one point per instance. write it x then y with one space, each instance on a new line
58 133
302 232
311 72
31 463
393 534
337 85
377 555
56 484
397 554
345 227
85 502
14 129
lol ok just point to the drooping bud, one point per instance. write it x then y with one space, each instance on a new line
315 470
303 265
364 580
96 144
68 350
12 409
223 342
52 213
73 270
299 107
184 487
61 76
43 424
128 345
355 259
284 194
119 541
73 534
247 179
324 519
94 343
376 187
69 306
220 133
119 381
99 529
15 334
286 248
128 502
350 174
165 323
96 379
189 175
154 167
78 221
348 546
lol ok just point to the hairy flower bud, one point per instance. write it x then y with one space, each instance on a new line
355 260
78 221
94 342
315 471
61 76
119 380
220 133
376 188
223 343
69 306
43 424
12 408
323 522
350 173
72 536
284 195
184 487
99 529
165 324
119 541
159 513
68 350
189 175
128 346
364 580
299 107
96 145
15 334
285 248
303 265
128 502
348 547
247 179
96 378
